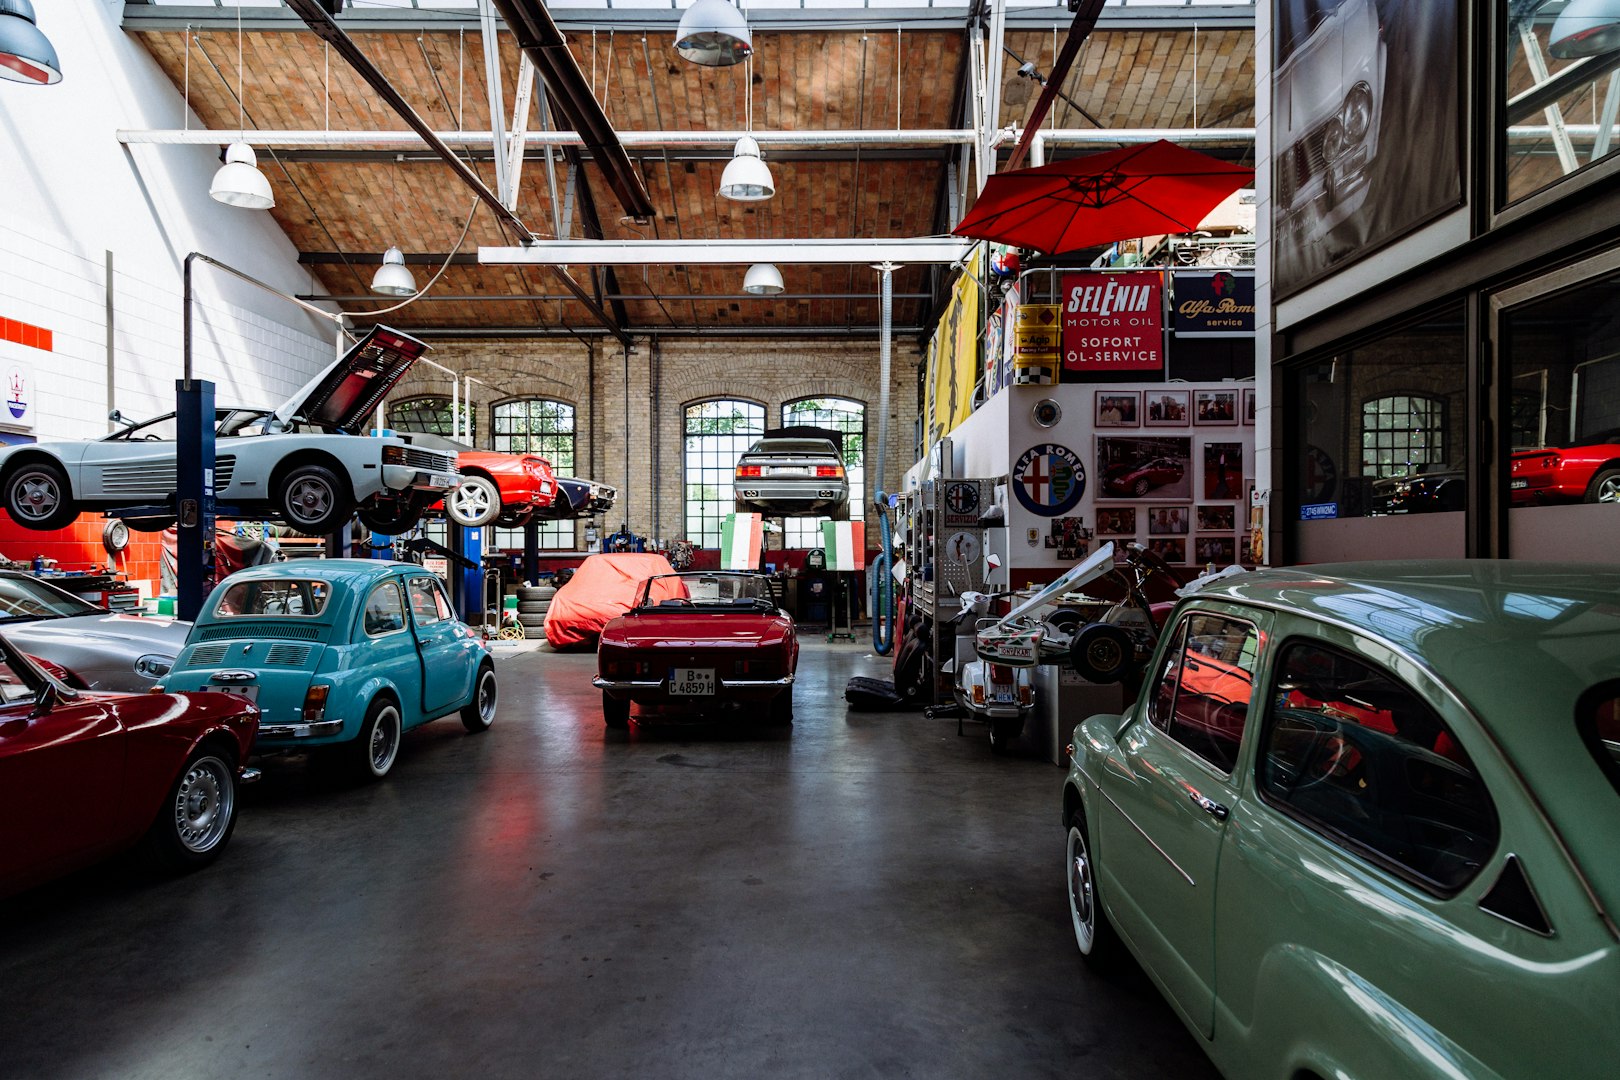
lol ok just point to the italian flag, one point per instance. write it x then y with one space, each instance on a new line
742 537
845 544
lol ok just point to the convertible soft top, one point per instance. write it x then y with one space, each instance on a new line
603 588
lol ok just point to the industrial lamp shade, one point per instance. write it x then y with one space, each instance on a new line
393 278
26 55
239 181
747 178
1585 28
762 279
715 34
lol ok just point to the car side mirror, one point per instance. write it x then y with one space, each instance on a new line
46 701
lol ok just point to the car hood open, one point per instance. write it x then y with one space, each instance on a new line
348 391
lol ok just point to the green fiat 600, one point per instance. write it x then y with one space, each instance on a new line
351 651
1363 822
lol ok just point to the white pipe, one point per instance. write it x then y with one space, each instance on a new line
801 252
396 138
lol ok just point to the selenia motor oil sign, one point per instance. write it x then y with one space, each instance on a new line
1113 322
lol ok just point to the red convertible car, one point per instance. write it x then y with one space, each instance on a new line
1589 472
1135 480
500 489
83 775
715 640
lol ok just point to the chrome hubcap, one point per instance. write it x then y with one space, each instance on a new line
471 500
39 497
1080 891
203 804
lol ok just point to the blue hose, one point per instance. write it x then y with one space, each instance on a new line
883 585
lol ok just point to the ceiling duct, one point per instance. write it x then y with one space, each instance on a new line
537 35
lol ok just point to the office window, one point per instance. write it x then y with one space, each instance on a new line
432 416
1400 433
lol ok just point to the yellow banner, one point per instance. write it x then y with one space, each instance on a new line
953 361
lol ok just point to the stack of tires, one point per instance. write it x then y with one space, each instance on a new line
533 603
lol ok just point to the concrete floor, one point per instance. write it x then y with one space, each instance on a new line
863 895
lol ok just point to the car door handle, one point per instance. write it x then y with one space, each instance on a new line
1208 805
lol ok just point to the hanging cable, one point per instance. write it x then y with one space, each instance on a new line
448 259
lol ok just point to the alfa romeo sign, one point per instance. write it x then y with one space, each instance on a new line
1049 479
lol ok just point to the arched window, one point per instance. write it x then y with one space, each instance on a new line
839 414
431 415
1400 432
545 427
717 432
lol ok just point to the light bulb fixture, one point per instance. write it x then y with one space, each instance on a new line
762 279
26 54
1585 28
239 181
714 33
747 178
393 277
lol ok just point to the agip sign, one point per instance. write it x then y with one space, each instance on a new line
1113 322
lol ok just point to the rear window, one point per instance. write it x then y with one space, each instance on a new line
1598 719
792 446
245 598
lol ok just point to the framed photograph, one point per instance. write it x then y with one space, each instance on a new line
1218 408
1220 550
1144 467
1245 552
1171 551
1248 408
1116 521
1167 408
1223 470
1119 408
1217 518
1168 520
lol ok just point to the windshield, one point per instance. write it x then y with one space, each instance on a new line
24 598
273 598
707 592
165 428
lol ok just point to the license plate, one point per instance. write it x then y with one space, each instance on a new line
789 470
249 692
691 682
1517 484
1004 695
445 480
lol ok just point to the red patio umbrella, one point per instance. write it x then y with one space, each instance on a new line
1146 190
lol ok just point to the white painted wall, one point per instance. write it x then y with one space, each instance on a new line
1267 466
72 193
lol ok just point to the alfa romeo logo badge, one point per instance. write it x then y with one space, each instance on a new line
1049 479
962 498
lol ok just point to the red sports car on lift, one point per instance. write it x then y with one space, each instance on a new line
1587 472
719 642
500 489
83 774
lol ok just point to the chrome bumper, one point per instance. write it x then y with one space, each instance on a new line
301 731
658 684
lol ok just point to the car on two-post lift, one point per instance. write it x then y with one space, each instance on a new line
303 463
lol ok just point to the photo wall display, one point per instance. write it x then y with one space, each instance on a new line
1187 516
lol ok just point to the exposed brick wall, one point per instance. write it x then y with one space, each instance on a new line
622 452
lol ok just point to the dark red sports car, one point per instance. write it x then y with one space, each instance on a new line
500 489
1127 480
719 641
85 774
1587 472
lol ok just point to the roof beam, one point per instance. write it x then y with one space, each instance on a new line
498 298
804 252
867 332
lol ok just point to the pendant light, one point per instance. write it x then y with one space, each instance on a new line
747 178
239 181
762 279
713 33
26 54
393 277
1585 28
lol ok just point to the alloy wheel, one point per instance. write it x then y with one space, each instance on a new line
203 804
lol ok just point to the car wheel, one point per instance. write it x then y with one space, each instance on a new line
1140 488
314 500
148 525
476 503
1605 487
37 496
377 745
479 713
615 711
392 519
841 511
1101 652
1092 932
782 707
1064 620
196 820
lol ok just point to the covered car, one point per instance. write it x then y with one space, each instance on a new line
603 588
95 648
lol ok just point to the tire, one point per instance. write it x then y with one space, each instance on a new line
1102 652
543 592
37 496
198 816
533 607
1605 487
479 713
148 525
1093 934
781 711
476 503
514 521
1003 733
615 712
314 500
393 519
840 512
376 747
1140 488
1067 621
532 622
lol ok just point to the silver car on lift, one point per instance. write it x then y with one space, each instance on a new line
793 472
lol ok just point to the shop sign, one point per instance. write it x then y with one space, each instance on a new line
961 502
1049 479
1219 304
1113 322
19 391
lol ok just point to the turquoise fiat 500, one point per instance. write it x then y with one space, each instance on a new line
339 651
1363 822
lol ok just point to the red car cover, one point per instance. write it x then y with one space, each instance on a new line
603 588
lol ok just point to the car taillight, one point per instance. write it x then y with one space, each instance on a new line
829 470
1026 695
978 693
315 704
744 471
1550 461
